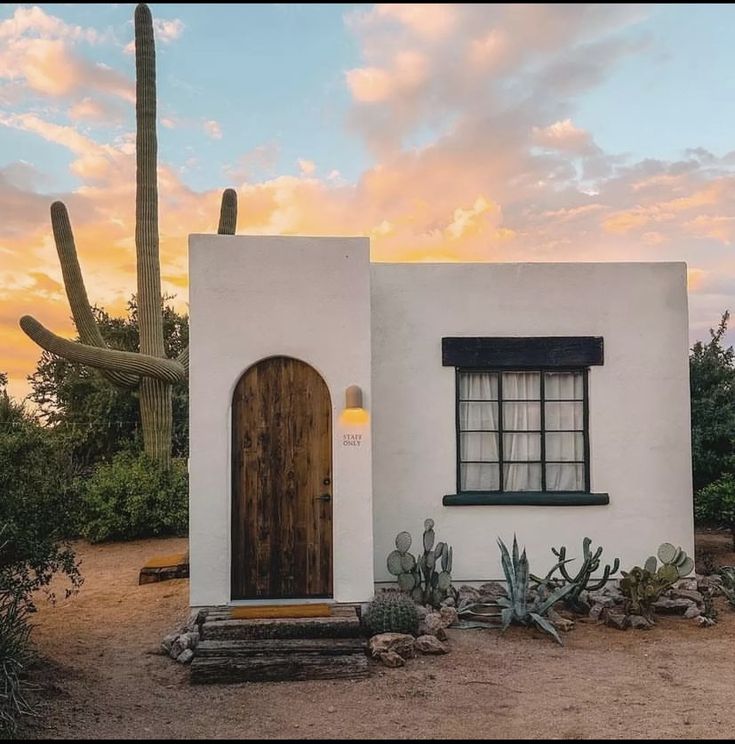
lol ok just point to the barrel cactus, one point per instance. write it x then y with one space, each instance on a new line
391 612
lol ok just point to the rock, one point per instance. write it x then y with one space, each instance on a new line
179 646
638 622
432 623
168 641
597 611
428 644
448 602
400 643
441 634
560 622
492 590
185 656
692 612
391 659
673 606
422 611
192 638
601 598
704 622
196 618
449 616
688 585
690 594
617 620
469 593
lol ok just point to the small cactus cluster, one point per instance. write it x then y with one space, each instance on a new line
642 587
427 580
582 580
391 612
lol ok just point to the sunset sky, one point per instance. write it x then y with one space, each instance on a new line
444 132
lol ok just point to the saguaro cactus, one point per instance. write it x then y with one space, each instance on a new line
149 371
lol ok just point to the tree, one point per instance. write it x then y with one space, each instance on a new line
93 419
712 383
148 371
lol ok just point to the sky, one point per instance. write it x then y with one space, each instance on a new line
443 132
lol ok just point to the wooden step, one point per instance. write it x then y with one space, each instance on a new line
314 627
280 647
277 668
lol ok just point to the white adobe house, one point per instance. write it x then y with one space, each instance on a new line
336 402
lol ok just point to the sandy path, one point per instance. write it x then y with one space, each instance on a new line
674 681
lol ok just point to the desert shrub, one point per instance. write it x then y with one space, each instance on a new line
36 514
37 510
132 496
15 656
715 503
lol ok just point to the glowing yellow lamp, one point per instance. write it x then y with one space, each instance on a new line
353 412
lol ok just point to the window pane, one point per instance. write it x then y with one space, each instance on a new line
521 447
473 416
479 477
564 416
522 477
564 477
566 385
521 385
478 446
478 386
521 416
565 446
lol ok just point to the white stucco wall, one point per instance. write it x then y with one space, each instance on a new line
255 297
639 405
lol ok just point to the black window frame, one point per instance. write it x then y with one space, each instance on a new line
542 431
525 354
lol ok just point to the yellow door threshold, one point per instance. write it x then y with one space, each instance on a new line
274 611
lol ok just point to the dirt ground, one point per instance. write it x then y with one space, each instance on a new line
102 678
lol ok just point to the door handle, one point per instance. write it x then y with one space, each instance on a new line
324 497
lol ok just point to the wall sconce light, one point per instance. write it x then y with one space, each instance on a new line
353 397
354 413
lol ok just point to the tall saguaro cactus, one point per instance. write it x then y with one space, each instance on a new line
149 371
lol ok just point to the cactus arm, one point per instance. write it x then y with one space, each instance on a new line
76 292
183 359
125 362
228 213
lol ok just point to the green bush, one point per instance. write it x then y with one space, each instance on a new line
15 656
132 497
37 506
37 513
715 503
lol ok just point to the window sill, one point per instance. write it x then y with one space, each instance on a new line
526 498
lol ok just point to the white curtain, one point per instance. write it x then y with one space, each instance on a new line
478 412
520 417
564 410
521 423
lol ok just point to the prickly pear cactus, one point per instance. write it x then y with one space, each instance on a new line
391 612
427 580
642 587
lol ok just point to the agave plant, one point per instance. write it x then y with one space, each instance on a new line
515 607
727 586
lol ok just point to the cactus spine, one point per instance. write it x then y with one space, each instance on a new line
150 371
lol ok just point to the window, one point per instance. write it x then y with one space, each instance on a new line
522 430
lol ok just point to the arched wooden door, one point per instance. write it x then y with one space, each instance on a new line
281 482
